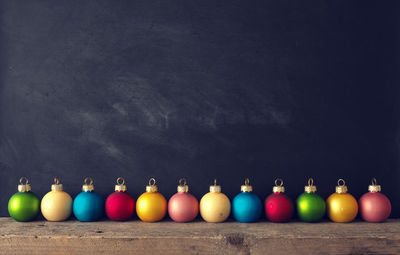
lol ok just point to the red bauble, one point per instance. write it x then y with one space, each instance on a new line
120 206
183 207
278 207
374 207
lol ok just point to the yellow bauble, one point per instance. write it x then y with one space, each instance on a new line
342 206
56 205
215 206
151 206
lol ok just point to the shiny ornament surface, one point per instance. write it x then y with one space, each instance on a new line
88 205
310 206
183 206
151 206
374 206
24 205
341 206
246 206
57 204
215 206
278 207
120 206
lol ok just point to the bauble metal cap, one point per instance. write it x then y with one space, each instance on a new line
246 187
57 185
183 187
152 186
88 185
310 188
278 188
215 187
374 187
341 188
120 186
24 185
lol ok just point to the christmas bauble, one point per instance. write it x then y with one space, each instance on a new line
151 206
246 206
88 205
310 206
278 207
183 206
120 206
341 206
374 206
215 206
57 204
23 205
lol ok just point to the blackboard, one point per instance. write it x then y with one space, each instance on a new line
202 90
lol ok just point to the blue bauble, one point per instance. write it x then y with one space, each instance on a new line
246 207
88 206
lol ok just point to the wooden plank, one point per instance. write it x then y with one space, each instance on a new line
134 237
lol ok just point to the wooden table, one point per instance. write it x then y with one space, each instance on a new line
135 237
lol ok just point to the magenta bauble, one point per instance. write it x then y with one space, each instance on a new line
278 207
120 205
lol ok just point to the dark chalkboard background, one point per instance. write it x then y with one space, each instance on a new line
199 89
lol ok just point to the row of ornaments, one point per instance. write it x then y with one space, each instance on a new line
214 206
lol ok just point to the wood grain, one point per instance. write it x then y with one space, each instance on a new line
134 237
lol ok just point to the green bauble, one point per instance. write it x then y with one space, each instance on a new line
23 206
310 207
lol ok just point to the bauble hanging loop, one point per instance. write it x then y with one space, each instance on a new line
278 188
57 185
215 187
120 186
246 187
182 187
88 184
374 187
24 186
310 187
152 186
341 186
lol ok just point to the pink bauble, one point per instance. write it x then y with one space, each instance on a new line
374 207
183 207
278 208
120 206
